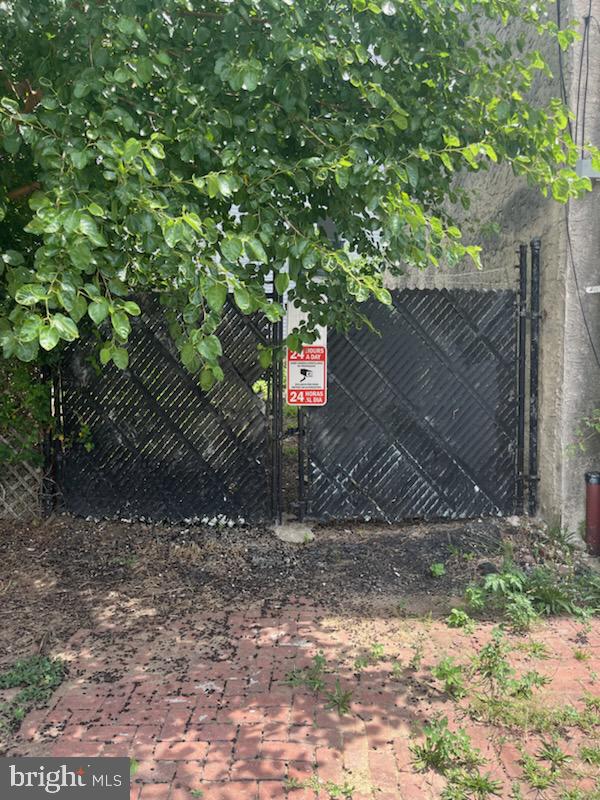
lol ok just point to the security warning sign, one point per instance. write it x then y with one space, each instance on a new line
307 376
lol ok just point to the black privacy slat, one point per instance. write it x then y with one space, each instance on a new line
159 446
420 420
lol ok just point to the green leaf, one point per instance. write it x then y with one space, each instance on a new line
190 357
80 255
193 220
232 248
257 250
89 228
210 348
29 294
121 324
98 310
282 281
106 354
96 210
242 299
216 294
132 308
132 149
207 379
30 328
120 357
144 69
79 308
157 150
65 327
265 358
48 337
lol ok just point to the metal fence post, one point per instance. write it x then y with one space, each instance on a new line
521 378
534 375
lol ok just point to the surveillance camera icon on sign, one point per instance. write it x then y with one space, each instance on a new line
306 373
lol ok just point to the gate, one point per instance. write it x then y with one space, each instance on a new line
147 441
421 420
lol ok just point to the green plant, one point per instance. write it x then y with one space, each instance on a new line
417 655
124 163
581 655
550 751
452 676
460 619
25 413
134 766
197 793
444 749
339 698
36 677
537 775
492 666
535 649
437 570
590 754
312 677
335 791
377 652
397 670
471 785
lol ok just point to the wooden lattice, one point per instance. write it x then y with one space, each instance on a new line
20 489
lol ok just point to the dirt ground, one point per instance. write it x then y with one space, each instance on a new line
179 644
67 573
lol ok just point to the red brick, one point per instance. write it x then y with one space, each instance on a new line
65 748
152 771
232 790
190 774
287 751
213 732
181 751
258 769
155 791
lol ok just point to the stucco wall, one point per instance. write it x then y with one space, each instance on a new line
569 375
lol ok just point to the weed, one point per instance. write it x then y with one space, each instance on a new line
312 677
360 663
452 676
551 752
492 666
460 619
537 775
470 785
377 652
335 791
36 677
534 649
397 670
520 612
591 755
444 749
339 699
197 793
417 656
437 570
134 765
581 655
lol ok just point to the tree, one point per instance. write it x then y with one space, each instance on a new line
191 147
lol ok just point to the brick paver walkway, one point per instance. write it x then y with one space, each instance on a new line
203 707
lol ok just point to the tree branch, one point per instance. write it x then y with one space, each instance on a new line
23 191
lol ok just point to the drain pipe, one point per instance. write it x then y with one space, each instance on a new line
592 512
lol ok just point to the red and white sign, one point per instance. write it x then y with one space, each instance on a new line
307 376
